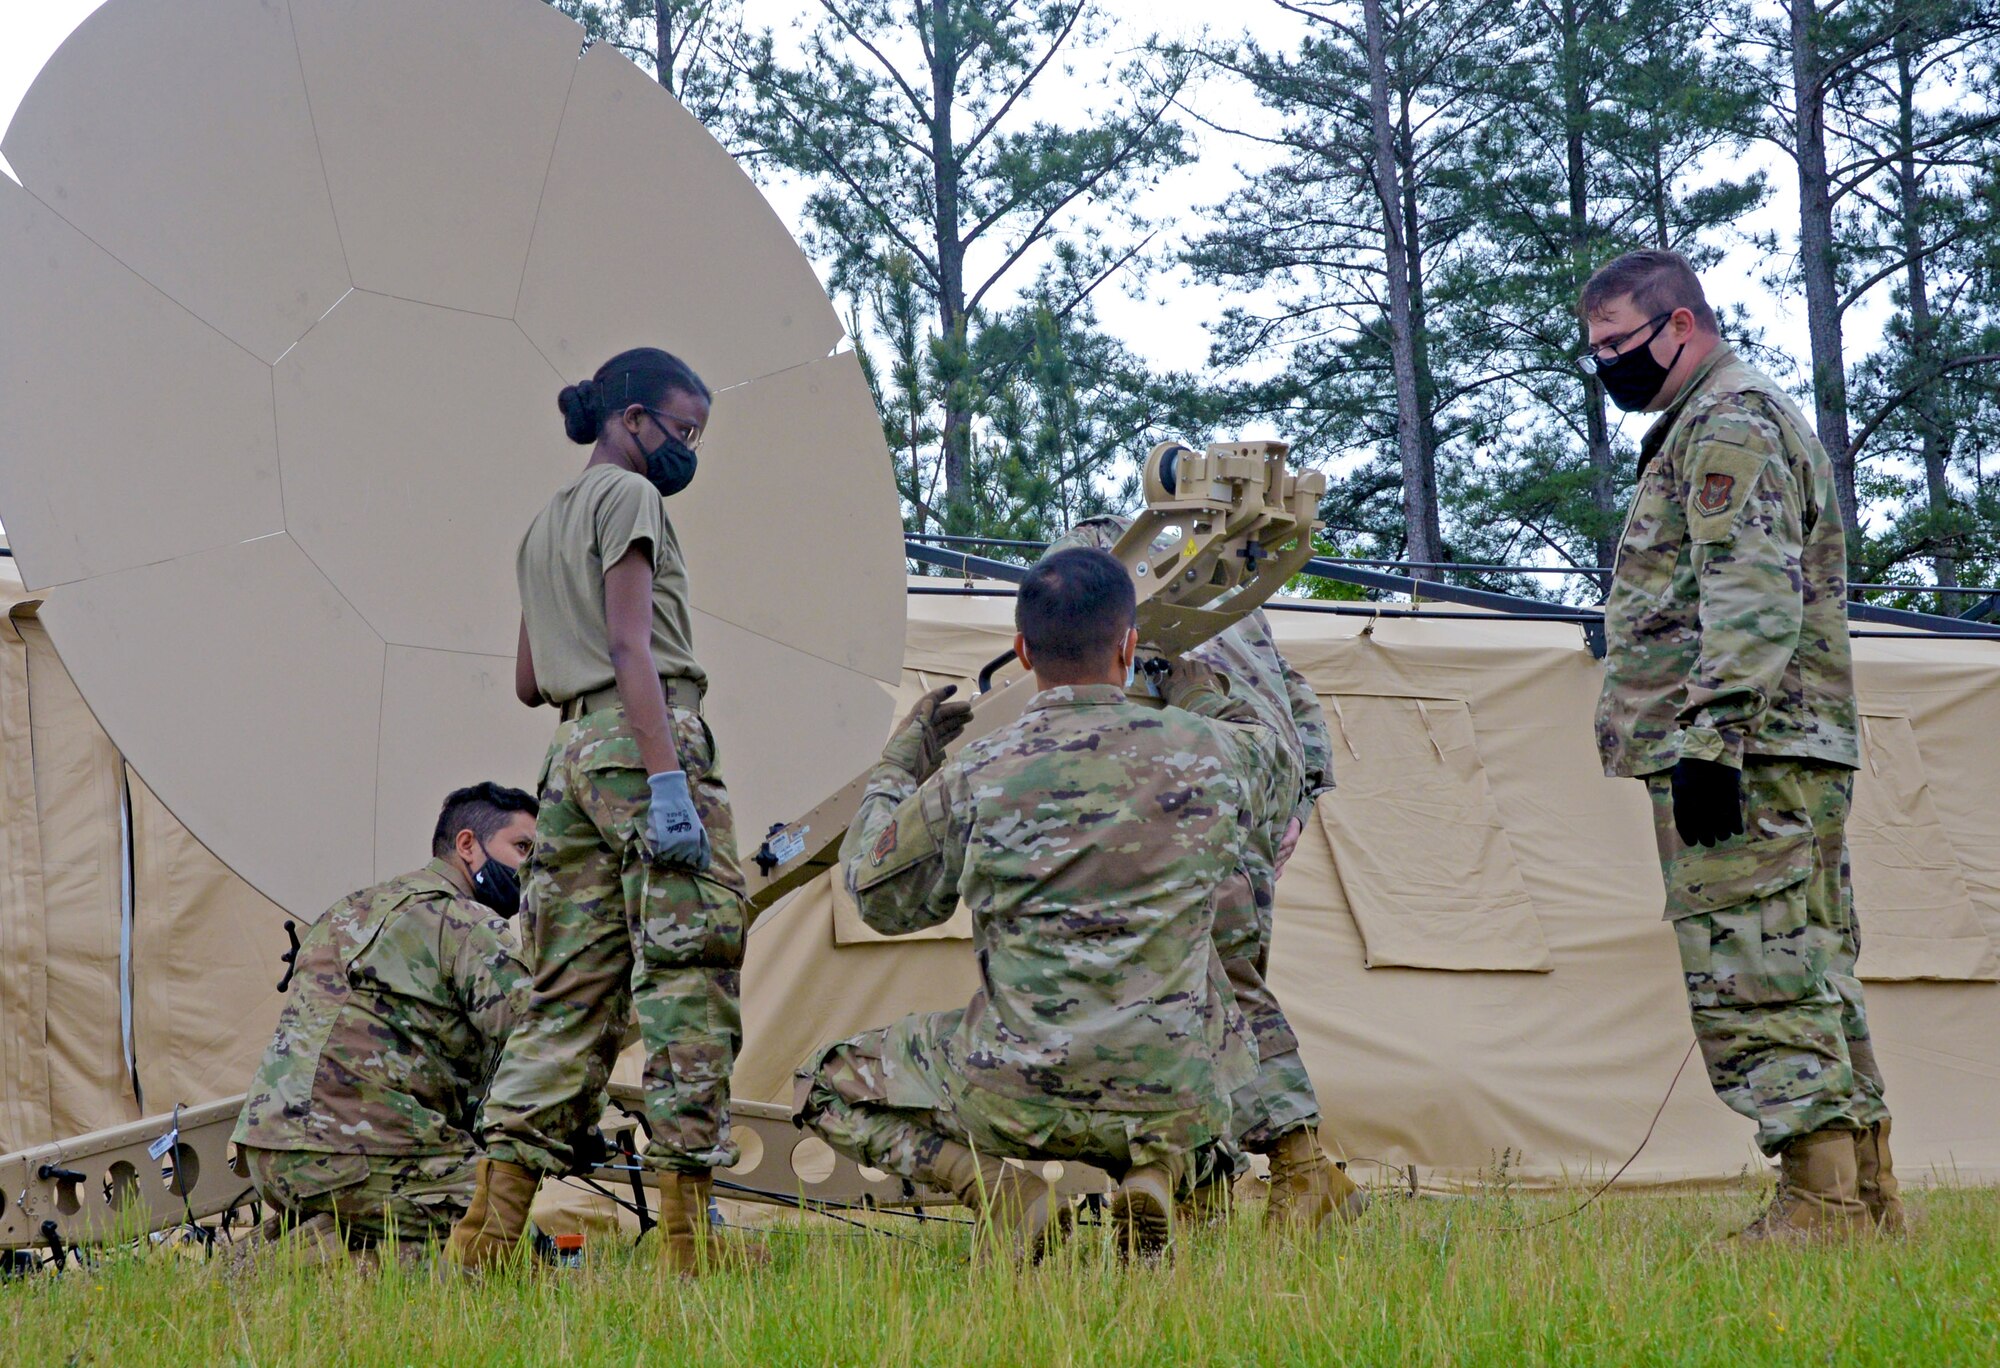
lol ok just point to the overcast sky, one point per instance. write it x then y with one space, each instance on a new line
1167 326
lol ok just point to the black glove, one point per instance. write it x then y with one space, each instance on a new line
1708 802
587 1149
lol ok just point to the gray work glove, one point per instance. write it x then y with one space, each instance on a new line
917 745
673 824
1184 677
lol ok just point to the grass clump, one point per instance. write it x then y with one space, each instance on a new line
1631 1279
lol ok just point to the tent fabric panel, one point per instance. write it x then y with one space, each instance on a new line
24 1007
1418 847
77 774
197 925
833 990
1554 1075
1948 690
1917 918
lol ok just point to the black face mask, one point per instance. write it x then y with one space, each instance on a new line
670 465
497 886
1633 378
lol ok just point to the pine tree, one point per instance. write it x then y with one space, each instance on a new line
911 123
1350 228
1596 145
688 45
1833 76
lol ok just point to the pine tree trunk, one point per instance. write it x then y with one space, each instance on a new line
953 326
1923 330
663 44
1597 432
1420 346
1420 513
1829 366
1662 231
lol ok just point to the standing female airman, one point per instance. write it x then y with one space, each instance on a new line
634 897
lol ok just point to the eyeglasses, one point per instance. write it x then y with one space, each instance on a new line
679 429
1597 358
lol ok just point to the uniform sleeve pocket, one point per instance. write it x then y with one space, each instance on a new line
1722 484
904 840
1712 878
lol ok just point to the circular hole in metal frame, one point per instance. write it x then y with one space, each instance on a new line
121 1185
750 1152
813 1160
181 1169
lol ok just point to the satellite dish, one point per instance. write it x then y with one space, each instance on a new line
292 286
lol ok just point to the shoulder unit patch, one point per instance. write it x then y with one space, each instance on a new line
904 840
1713 496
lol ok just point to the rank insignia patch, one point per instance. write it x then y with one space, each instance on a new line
885 844
1713 496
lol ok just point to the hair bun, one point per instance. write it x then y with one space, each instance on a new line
579 410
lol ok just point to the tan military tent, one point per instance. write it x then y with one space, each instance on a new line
132 962
1470 941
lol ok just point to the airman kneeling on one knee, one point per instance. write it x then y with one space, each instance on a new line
1090 839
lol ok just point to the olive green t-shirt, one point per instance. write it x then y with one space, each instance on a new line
591 523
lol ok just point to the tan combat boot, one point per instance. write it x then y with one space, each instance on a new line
493 1224
1142 1210
305 1243
689 1245
1875 1180
1019 1214
1307 1188
1206 1206
1818 1194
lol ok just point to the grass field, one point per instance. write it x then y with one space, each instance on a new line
1630 1280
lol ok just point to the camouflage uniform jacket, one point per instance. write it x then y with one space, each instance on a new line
1248 654
1089 839
402 997
1258 672
1726 625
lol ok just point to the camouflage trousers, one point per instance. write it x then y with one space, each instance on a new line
607 927
1768 940
891 1099
419 1196
1281 1097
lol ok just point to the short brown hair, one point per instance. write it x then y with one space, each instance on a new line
1657 282
1074 607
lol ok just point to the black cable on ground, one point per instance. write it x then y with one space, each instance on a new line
1605 1186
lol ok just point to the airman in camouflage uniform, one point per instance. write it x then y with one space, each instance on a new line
635 898
1092 840
365 1104
1729 690
608 926
1276 1113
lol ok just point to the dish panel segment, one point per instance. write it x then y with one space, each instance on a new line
789 727
247 692
796 461
448 720
651 235
178 138
417 445
436 134
135 432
